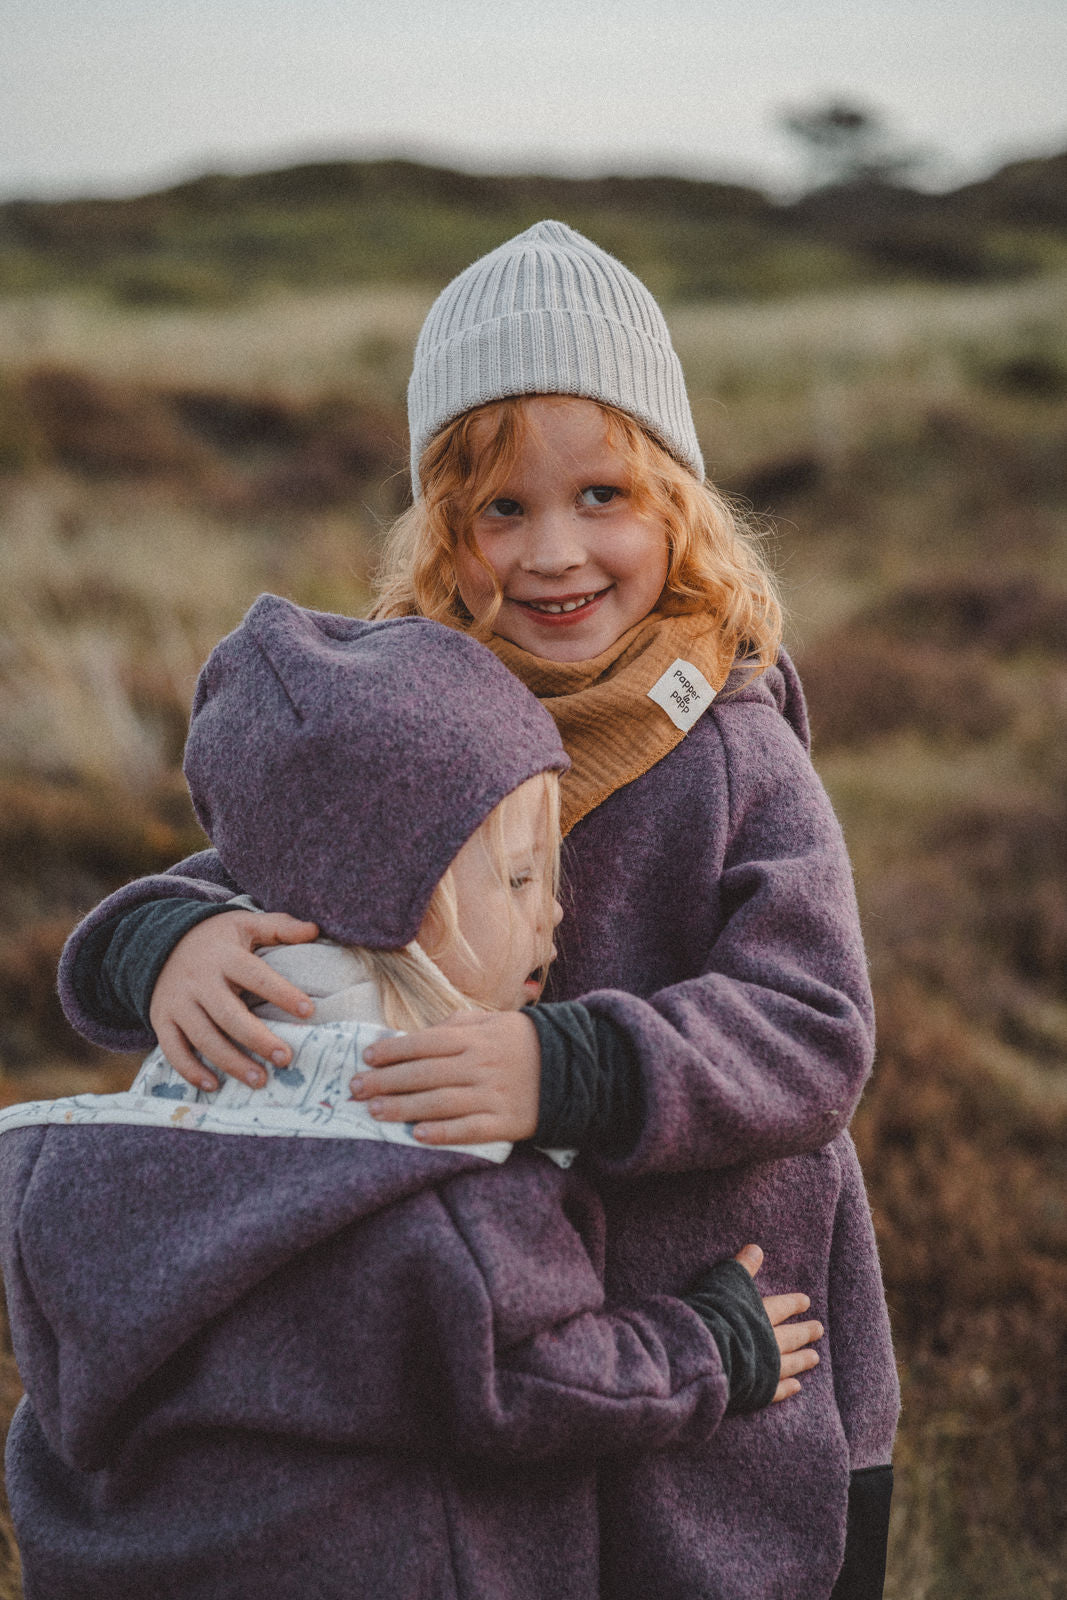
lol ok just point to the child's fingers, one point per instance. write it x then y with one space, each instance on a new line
277 927
227 1032
431 1105
787 1387
491 1070
451 1115
482 1128
250 975
427 1043
799 1361
781 1306
219 1051
175 1047
751 1258
795 1335
412 1077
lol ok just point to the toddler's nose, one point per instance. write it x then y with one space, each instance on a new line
557 913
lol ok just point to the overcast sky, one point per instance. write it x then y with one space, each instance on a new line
112 96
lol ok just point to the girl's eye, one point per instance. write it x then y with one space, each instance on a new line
502 508
599 494
519 880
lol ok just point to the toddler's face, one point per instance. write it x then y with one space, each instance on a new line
576 564
507 924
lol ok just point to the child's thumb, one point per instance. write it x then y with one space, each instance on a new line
751 1258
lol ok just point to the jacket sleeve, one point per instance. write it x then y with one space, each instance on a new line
765 1050
328 1296
199 877
539 1366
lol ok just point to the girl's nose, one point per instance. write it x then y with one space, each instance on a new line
557 913
553 546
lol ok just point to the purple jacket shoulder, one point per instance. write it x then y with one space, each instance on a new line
711 916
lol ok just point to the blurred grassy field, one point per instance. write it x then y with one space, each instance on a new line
161 466
214 240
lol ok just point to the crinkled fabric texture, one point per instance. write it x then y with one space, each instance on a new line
710 914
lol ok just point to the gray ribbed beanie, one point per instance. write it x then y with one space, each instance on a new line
338 765
549 312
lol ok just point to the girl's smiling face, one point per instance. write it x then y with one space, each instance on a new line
576 564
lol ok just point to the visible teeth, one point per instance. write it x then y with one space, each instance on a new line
554 607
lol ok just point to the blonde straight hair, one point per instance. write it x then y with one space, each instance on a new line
715 560
414 992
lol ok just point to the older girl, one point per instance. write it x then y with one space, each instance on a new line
710 1024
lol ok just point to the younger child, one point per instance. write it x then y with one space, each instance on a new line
271 1347
709 1026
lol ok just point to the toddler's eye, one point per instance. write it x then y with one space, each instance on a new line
502 508
519 880
599 494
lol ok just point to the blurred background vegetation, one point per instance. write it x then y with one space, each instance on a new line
201 396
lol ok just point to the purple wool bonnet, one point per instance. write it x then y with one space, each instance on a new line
338 765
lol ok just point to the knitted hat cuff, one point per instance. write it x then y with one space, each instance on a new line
558 352
549 312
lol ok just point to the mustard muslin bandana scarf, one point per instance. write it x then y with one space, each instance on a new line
624 710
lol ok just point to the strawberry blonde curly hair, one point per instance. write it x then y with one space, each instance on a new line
715 560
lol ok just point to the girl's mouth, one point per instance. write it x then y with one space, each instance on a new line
564 609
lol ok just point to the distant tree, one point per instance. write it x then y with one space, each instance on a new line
846 144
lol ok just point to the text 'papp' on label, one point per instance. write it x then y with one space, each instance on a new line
683 693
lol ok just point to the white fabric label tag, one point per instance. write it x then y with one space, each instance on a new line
683 692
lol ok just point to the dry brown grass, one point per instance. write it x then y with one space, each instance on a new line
965 1175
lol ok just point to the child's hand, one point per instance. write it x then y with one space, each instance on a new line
474 1078
792 1337
196 1005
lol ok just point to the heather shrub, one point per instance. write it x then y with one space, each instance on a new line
964 1165
105 428
244 452
863 683
1004 613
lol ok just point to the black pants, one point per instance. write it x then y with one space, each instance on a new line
862 1577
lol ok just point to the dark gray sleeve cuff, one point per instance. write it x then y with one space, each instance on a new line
591 1093
118 963
730 1306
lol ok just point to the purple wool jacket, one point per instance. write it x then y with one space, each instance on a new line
710 914
260 1368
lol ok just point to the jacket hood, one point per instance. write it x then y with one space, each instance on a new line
129 1222
779 687
110 1265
